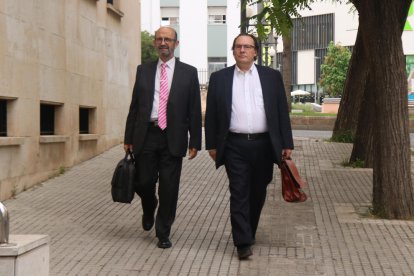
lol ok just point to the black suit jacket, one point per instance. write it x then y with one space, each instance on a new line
218 113
183 109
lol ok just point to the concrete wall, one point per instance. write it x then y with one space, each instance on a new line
233 29
216 33
150 10
72 54
306 70
193 33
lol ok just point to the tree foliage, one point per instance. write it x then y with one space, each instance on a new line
278 14
334 69
148 53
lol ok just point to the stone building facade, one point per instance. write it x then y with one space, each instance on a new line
67 68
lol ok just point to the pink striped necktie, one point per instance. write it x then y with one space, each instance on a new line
162 109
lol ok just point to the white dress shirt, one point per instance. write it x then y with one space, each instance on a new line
247 109
170 71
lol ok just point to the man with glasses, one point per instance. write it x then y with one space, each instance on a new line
247 128
164 120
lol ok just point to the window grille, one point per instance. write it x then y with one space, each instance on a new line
313 32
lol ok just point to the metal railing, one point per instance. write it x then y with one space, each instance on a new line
203 77
4 225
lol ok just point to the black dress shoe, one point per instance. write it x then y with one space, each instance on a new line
148 219
164 243
244 252
147 222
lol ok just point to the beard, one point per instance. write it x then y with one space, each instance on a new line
164 51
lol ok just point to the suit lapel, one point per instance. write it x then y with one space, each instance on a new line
176 76
151 82
262 77
229 89
264 81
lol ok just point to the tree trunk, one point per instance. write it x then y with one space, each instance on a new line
364 140
287 68
346 121
381 23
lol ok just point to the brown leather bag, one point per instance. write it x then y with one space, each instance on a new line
292 183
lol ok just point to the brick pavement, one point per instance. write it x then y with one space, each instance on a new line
91 235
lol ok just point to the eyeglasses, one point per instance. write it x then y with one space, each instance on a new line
247 47
164 39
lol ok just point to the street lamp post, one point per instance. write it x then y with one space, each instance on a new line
269 54
243 17
270 51
275 38
272 54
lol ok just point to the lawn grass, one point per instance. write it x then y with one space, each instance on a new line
307 110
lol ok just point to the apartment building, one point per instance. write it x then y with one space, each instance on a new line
206 29
67 69
330 21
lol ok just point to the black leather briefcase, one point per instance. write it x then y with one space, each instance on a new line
123 180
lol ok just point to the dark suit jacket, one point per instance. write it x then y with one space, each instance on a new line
183 109
218 113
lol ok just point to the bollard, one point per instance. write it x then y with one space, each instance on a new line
4 225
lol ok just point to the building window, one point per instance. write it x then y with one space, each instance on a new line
114 5
83 120
47 119
279 65
216 15
165 21
294 67
279 61
215 64
87 120
319 59
3 117
217 19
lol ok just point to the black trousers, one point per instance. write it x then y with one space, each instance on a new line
155 163
249 167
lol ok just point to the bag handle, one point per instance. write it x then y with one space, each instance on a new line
130 154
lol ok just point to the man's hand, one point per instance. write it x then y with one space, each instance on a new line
286 153
192 153
128 147
213 154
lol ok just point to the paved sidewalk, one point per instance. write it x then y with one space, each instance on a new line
91 235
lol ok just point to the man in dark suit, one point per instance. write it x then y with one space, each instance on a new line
164 120
247 128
